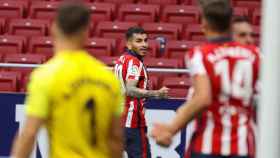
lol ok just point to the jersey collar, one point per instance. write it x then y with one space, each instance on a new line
220 39
133 53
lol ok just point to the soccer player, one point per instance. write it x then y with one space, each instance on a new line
134 78
74 96
242 30
224 75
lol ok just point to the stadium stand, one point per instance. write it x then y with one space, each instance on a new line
25 26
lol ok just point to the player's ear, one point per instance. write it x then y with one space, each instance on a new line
129 44
204 26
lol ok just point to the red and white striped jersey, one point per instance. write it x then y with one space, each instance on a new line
130 66
226 126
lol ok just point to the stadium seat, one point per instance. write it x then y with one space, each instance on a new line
115 29
43 9
25 58
28 27
177 82
256 30
10 44
100 46
193 32
12 9
2 25
117 1
240 11
109 61
152 50
189 2
161 63
41 45
250 4
138 12
178 49
166 30
153 83
257 17
178 93
160 2
9 81
102 11
180 14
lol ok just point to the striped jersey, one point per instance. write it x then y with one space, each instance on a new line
226 127
130 66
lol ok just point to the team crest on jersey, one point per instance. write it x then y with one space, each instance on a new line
134 70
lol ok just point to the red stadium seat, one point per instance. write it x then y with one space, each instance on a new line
161 2
153 83
102 11
43 9
138 12
12 9
193 32
100 46
152 50
178 93
12 44
41 45
251 4
180 14
257 17
161 63
178 49
109 61
256 30
117 1
113 29
25 58
240 11
189 2
167 30
28 27
2 25
9 81
177 82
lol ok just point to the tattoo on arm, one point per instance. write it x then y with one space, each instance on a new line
133 91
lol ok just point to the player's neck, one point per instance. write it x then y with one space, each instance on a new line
213 35
63 45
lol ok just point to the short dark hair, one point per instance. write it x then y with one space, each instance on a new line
72 17
240 19
218 14
134 30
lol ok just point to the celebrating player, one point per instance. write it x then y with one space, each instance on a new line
224 76
134 78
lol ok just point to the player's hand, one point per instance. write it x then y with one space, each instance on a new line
163 92
162 134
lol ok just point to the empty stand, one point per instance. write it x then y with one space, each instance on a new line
256 17
193 32
43 9
109 61
153 83
250 4
178 49
177 82
12 9
178 93
9 81
240 11
152 48
160 2
117 1
25 58
41 45
28 27
2 25
181 14
102 11
162 63
12 44
100 46
167 30
138 12
115 29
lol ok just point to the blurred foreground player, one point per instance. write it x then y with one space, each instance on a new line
242 30
134 78
74 95
224 76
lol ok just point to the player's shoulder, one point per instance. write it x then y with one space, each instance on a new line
126 58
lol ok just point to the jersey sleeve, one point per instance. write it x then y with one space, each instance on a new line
195 63
37 99
134 68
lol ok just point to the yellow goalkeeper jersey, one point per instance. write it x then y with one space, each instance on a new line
77 97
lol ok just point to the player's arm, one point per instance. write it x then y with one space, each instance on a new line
24 142
133 91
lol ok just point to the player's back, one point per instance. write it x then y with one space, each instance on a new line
233 70
83 97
